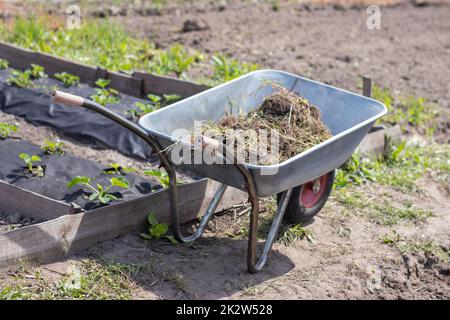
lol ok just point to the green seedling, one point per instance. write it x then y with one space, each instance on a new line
6 130
53 147
161 176
20 79
155 103
176 59
103 95
36 71
4 64
226 69
355 171
29 163
116 168
292 233
99 192
157 230
67 79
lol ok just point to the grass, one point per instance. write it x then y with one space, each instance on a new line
88 280
380 211
401 167
427 247
407 111
106 44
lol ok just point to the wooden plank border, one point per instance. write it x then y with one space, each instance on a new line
14 199
137 84
160 85
374 142
56 239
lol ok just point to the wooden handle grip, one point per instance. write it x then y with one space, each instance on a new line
205 142
67 98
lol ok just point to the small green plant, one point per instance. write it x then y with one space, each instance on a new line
156 102
157 230
103 95
100 193
53 147
116 168
161 176
4 64
355 171
410 111
226 69
292 233
20 79
67 79
176 59
6 130
30 164
36 71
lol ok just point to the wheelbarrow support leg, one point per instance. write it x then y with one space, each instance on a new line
206 217
253 265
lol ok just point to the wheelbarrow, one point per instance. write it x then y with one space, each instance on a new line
302 183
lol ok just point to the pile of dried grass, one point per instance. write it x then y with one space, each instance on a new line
284 113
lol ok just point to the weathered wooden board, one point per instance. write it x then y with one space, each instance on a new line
58 238
374 142
125 83
161 85
17 57
139 84
29 204
54 65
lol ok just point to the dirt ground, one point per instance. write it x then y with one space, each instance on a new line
352 256
331 44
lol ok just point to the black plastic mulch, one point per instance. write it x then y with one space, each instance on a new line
34 105
59 170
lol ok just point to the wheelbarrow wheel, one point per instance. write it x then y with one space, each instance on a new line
307 200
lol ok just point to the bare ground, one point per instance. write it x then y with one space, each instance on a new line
351 257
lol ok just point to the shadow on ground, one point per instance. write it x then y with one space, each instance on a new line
212 268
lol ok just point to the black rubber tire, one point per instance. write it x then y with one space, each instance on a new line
296 212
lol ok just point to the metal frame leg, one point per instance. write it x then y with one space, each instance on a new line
206 217
254 266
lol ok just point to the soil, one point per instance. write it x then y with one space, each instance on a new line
348 260
15 221
331 44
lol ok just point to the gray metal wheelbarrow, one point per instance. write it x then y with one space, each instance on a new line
302 183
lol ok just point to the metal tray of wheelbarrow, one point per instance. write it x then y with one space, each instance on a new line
349 117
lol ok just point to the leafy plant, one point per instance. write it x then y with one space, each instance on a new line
176 59
161 176
355 171
414 111
4 64
226 69
6 129
292 233
29 163
100 193
116 168
67 79
20 79
36 71
53 147
156 102
157 230
103 95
